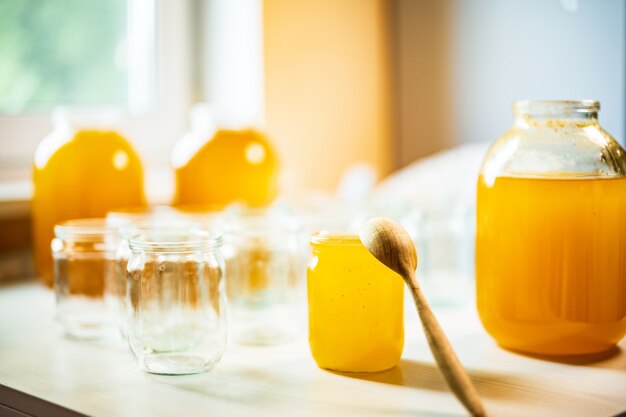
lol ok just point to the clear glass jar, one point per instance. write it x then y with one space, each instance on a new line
140 216
208 216
127 223
117 299
84 268
444 237
551 232
266 255
176 301
355 307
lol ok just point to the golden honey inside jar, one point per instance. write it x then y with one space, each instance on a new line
355 307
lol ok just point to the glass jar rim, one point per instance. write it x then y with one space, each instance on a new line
555 106
163 241
199 209
330 238
258 222
207 215
138 214
129 231
83 228
260 227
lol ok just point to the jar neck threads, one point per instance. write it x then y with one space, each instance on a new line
175 242
557 109
84 230
335 239
335 242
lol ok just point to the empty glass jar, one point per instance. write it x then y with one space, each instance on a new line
84 267
266 254
176 301
444 238
127 223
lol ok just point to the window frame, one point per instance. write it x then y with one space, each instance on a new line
152 133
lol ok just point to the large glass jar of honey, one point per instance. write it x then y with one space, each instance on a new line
355 307
551 232
83 169
221 161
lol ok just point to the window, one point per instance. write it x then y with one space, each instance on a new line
150 58
135 55
75 52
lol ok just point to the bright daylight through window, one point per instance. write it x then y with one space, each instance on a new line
78 53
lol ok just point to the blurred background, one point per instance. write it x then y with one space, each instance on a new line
383 83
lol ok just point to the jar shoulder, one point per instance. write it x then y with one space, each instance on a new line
555 150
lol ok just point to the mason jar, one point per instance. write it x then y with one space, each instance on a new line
266 255
127 223
207 216
551 232
176 301
355 307
84 267
140 215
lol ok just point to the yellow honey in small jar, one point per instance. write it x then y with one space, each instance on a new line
355 307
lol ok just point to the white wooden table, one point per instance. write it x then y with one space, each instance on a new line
44 374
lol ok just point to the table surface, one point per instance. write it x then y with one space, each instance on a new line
101 378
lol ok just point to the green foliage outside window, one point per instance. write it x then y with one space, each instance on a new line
69 52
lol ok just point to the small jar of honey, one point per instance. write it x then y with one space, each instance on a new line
355 307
